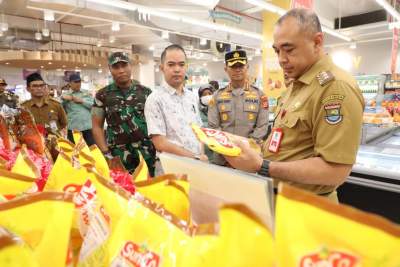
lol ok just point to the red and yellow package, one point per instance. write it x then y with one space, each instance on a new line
216 140
14 252
43 221
12 184
171 191
312 231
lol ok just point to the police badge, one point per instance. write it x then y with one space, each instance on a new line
333 113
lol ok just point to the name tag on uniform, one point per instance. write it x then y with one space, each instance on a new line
276 139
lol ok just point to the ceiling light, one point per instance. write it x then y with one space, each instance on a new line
250 58
38 36
353 45
7 63
99 43
4 26
48 15
84 65
258 52
111 39
49 63
45 32
157 69
99 65
100 71
151 48
281 11
203 41
41 67
164 35
204 64
389 8
115 26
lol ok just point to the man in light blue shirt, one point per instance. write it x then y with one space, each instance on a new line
78 106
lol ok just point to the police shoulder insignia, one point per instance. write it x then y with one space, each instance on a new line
324 77
333 115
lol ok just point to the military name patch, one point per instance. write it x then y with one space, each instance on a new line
333 115
333 98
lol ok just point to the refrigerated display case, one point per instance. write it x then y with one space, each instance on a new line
374 183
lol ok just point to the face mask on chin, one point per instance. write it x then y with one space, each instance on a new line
205 100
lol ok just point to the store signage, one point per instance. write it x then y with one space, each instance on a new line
222 15
302 4
395 46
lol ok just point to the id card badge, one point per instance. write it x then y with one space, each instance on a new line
53 125
276 139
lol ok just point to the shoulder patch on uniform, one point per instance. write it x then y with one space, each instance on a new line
333 115
334 97
324 77
264 102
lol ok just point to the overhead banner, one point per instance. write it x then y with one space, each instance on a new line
395 47
302 4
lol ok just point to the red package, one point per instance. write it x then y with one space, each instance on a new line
123 179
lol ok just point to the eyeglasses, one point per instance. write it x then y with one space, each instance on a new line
38 85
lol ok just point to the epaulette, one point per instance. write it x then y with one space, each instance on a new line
324 77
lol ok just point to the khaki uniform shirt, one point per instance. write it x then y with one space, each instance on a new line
239 111
50 114
320 116
9 99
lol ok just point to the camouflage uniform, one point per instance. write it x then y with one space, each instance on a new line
127 129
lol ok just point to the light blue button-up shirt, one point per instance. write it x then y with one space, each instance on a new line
79 114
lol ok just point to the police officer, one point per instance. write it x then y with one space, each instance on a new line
121 104
7 98
239 108
316 133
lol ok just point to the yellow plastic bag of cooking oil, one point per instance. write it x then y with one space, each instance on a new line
100 162
81 149
24 165
147 235
171 191
141 172
43 221
312 231
14 184
217 141
67 174
65 146
14 252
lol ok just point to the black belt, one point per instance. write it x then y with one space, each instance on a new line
321 194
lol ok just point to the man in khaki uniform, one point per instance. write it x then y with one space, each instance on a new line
316 133
46 111
7 98
239 108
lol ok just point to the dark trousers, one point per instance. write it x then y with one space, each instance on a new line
87 135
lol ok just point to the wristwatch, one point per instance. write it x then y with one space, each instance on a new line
264 170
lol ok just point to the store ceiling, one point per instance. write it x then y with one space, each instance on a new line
90 22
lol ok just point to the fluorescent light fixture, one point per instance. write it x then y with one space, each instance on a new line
38 36
151 48
281 11
48 15
164 34
203 41
144 10
111 39
45 32
99 43
257 52
115 27
389 8
267 6
353 45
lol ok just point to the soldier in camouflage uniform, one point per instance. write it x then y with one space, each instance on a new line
7 98
121 105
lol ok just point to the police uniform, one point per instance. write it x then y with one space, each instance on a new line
8 98
126 125
240 111
320 116
51 115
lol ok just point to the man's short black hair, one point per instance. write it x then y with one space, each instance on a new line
169 48
33 77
